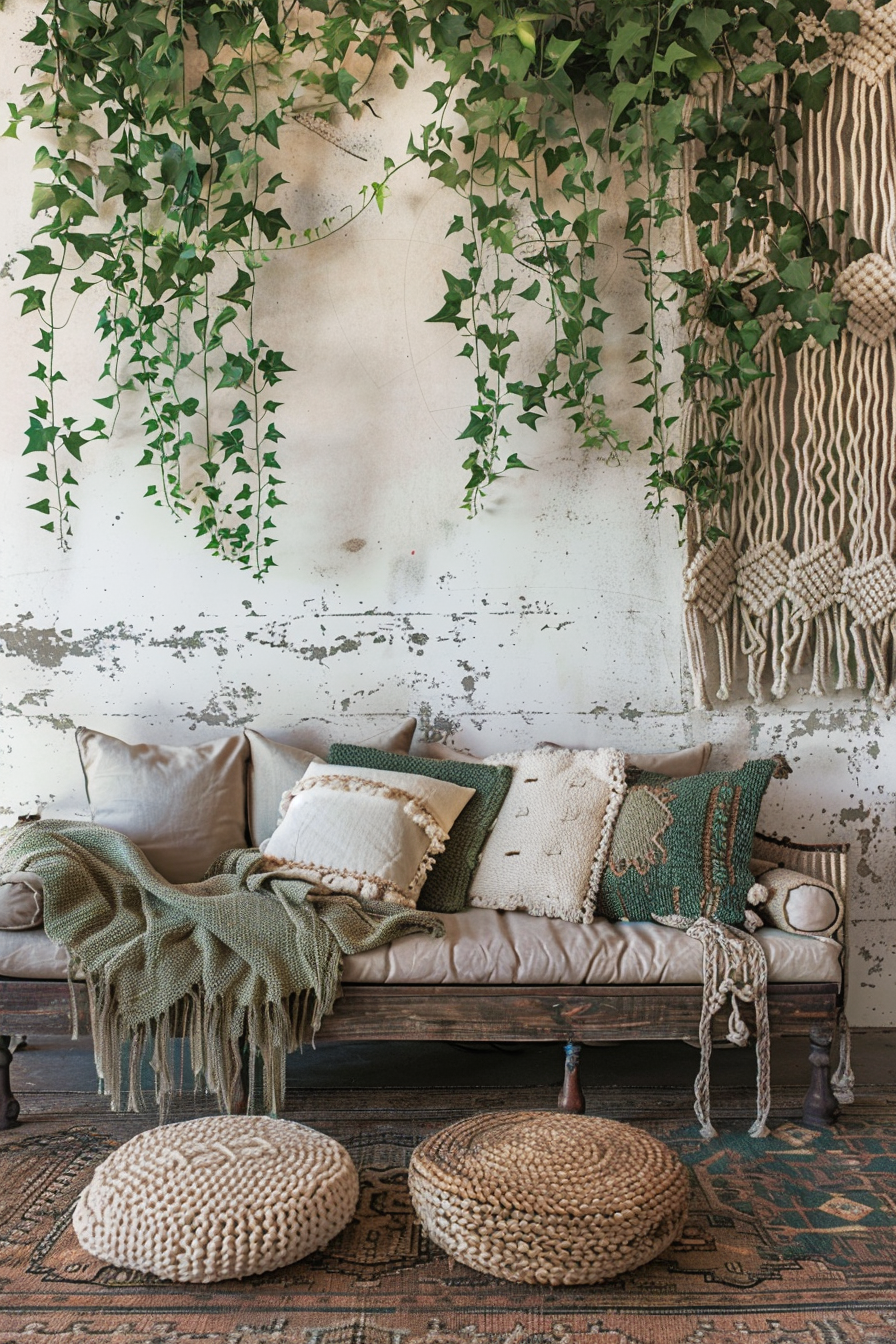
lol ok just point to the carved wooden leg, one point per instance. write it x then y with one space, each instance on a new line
820 1108
571 1097
9 1107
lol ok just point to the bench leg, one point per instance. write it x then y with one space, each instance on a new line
820 1108
571 1097
9 1107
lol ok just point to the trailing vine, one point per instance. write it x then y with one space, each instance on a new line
155 188
545 117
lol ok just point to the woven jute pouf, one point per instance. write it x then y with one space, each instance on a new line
542 1197
217 1198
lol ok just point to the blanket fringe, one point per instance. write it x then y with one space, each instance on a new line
213 1029
734 969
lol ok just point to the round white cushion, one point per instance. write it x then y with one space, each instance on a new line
217 1198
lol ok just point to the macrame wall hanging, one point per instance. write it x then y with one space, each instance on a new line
805 578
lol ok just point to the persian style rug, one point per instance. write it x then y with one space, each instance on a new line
790 1240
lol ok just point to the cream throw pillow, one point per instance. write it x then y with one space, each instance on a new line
183 806
548 848
276 766
372 833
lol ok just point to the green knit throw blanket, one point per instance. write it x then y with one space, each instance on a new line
243 958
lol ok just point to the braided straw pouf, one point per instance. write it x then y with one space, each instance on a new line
542 1197
217 1198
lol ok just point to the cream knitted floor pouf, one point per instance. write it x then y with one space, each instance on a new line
543 1197
217 1198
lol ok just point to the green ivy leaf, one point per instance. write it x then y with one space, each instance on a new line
629 36
759 70
797 273
843 20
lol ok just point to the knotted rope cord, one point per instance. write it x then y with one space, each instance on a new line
734 970
843 1080
819 461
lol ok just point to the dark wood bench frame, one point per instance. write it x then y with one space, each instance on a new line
574 1016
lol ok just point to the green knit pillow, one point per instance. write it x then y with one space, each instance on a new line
683 846
445 889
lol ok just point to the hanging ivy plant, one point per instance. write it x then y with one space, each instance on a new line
155 189
173 219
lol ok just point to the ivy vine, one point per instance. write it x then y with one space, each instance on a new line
155 188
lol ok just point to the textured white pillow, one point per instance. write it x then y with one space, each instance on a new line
21 901
373 833
548 847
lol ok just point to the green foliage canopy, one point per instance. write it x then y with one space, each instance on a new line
540 112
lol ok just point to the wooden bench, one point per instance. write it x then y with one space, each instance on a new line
574 1016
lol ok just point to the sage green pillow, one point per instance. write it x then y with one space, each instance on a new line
445 889
683 846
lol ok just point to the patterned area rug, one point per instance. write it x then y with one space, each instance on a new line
790 1240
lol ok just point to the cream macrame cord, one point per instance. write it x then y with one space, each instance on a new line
735 970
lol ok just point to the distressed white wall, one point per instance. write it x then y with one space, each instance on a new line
555 615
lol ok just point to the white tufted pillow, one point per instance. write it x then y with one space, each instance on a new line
217 1198
373 833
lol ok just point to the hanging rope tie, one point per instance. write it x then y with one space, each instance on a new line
735 972
843 1080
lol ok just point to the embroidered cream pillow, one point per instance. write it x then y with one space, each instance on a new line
373 833
548 847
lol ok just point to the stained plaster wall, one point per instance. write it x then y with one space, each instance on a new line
555 615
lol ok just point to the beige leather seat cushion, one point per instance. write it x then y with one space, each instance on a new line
494 947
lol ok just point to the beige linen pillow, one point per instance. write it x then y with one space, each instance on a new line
275 766
548 847
373 833
183 806
440 751
675 764
798 903
21 901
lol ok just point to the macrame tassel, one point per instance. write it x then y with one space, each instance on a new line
696 657
844 675
754 643
724 660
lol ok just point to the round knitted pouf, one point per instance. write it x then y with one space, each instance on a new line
217 1198
544 1197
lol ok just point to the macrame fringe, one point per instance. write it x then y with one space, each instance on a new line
734 970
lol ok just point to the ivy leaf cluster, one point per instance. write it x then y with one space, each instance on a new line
154 191
540 112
